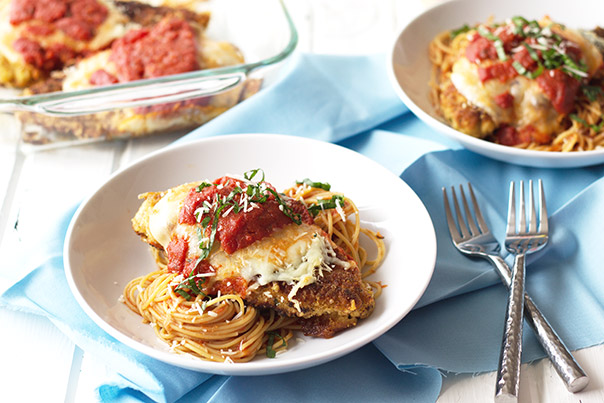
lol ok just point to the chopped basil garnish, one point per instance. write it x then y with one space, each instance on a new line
463 29
525 72
286 209
191 285
595 128
532 53
592 92
325 204
519 24
497 42
270 351
259 193
203 185
312 184
553 54
249 175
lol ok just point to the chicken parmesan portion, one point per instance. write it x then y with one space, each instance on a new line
519 83
239 236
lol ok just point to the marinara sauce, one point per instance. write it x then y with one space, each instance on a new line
166 48
234 229
77 19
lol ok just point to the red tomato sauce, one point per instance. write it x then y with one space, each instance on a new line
560 88
479 49
167 48
238 230
177 254
503 71
505 100
78 19
511 136
46 59
101 77
231 285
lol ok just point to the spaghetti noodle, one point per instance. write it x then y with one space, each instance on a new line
526 84
225 328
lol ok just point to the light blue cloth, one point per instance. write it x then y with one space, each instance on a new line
457 324
565 279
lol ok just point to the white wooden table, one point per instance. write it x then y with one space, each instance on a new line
38 363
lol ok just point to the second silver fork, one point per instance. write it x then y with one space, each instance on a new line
520 240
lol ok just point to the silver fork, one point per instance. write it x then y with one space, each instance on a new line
520 241
473 238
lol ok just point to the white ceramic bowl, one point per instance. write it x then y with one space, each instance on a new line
102 252
409 66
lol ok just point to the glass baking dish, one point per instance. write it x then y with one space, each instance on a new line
261 29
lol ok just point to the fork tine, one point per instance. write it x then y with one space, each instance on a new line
465 233
469 220
450 220
511 227
522 225
543 225
532 212
482 224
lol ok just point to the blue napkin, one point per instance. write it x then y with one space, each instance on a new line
348 100
565 279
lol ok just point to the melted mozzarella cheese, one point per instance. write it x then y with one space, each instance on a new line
290 254
464 77
295 254
530 106
78 77
163 218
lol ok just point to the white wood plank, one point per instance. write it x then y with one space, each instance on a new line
93 373
539 383
300 12
352 26
138 148
9 164
49 183
8 144
36 359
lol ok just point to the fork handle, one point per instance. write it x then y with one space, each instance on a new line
508 371
571 373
